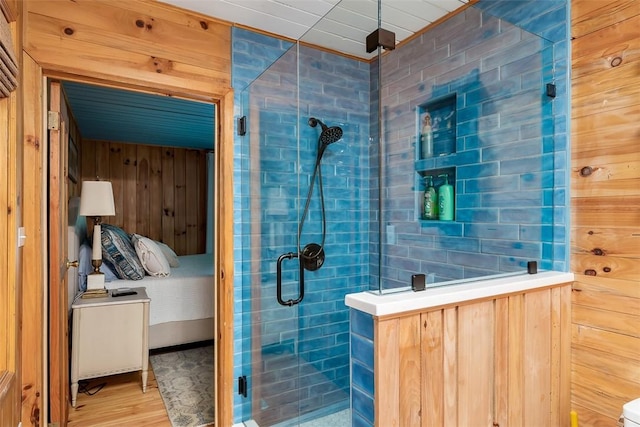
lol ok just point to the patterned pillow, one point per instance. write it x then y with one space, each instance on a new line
119 254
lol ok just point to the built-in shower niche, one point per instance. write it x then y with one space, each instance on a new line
435 150
441 114
437 175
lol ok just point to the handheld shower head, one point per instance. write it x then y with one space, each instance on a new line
312 256
329 135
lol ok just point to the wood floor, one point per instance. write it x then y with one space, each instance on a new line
120 403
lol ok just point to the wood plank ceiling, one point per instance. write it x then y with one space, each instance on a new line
123 116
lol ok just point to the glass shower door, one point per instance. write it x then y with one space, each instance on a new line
302 179
270 149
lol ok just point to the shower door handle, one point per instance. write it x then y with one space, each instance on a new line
290 302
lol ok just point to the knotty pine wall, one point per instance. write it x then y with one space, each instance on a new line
605 198
11 259
143 45
159 192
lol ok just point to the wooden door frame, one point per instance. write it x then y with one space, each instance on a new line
223 225
57 252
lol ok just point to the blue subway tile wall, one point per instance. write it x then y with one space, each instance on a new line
510 165
278 158
362 368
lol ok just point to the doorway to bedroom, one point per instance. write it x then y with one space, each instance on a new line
158 153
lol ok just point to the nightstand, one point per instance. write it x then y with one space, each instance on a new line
110 336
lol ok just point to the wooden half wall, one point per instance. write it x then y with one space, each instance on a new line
498 361
605 199
159 192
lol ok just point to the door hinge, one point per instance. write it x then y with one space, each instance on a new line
242 385
551 90
53 120
242 126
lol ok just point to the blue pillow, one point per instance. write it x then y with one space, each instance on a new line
119 254
85 268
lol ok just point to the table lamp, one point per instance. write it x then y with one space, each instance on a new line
96 201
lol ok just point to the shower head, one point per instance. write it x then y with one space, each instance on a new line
329 135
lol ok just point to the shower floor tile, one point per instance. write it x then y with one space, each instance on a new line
339 419
292 386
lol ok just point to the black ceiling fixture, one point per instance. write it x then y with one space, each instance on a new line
381 37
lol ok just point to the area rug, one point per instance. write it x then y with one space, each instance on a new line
185 381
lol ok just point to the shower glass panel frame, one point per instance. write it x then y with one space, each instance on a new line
298 355
497 133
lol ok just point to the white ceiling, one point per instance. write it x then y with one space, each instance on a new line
346 23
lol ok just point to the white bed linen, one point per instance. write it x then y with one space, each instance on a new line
186 294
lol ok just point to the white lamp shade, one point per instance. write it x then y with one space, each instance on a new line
96 199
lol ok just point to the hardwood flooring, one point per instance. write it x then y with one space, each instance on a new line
120 403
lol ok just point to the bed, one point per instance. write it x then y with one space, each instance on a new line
182 306
181 309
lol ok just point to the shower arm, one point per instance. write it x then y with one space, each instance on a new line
291 302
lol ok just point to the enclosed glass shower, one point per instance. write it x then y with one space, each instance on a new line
308 187
350 206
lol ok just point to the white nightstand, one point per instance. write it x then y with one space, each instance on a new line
110 336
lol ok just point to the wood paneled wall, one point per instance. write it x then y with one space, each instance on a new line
11 206
144 45
9 289
141 43
605 198
159 192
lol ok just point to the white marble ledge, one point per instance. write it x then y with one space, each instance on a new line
396 303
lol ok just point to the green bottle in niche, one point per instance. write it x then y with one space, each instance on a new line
430 210
445 199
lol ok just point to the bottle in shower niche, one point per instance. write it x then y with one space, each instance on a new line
445 199
426 137
430 208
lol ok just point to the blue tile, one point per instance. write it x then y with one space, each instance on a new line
477 170
362 350
477 215
362 378
516 249
363 407
474 260
457 243
358 421
361 323
492 231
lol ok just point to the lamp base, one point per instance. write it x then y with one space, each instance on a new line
95 281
